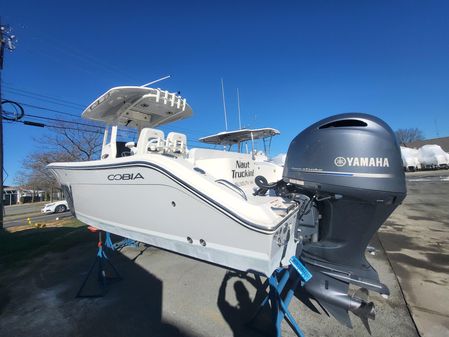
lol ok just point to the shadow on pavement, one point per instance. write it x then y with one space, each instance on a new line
39 299
240 317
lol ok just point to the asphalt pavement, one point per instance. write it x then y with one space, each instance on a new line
23 214
416 239
24 208
164 294
25 219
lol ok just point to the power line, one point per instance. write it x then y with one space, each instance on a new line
47 100
39 107
31 123
78 116
100 129
64 121
70 114
26 122
34 93
48 109
80 55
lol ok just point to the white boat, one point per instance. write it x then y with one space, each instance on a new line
432 157
410 159
198 202
245 141
228 208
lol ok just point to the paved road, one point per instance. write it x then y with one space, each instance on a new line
24 208
23 220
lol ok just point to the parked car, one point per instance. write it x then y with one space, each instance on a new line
55 207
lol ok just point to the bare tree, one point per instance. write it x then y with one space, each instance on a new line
34 173
79 143
405 136
64 143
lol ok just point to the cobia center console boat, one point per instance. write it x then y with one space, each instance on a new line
341 180
198 202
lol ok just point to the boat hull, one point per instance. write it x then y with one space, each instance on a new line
145 202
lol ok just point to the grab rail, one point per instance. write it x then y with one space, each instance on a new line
233 187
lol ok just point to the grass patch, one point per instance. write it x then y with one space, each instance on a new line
20 245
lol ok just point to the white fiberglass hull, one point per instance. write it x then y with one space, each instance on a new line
164 202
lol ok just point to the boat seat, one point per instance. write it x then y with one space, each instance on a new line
132 148
150 140
176 143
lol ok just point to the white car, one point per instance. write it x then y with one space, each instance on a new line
55 207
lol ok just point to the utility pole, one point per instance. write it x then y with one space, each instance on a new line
6 40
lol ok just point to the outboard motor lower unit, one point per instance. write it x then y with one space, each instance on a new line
347 172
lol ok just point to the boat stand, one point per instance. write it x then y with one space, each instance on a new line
101 263
120 244
282 284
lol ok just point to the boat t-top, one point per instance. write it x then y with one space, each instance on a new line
241 138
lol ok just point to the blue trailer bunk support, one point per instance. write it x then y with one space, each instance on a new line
284 281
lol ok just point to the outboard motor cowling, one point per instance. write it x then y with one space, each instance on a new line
350 167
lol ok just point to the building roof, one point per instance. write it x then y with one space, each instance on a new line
442 141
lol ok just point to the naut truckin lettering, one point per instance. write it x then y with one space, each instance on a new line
242 170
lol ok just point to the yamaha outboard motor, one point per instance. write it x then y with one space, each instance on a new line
347 172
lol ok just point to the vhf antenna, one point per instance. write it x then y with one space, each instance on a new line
238 106
158 80
224 105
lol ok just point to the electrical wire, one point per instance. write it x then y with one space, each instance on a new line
65 121
193 133
35 95
12 116
48 109
46 98
86 130
56 127
76 53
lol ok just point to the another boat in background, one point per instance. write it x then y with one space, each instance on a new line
244 141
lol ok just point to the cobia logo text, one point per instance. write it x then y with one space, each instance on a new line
125 176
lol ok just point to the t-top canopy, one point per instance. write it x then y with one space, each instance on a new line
238 136
138 107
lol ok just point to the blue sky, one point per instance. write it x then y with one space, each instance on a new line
294 62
